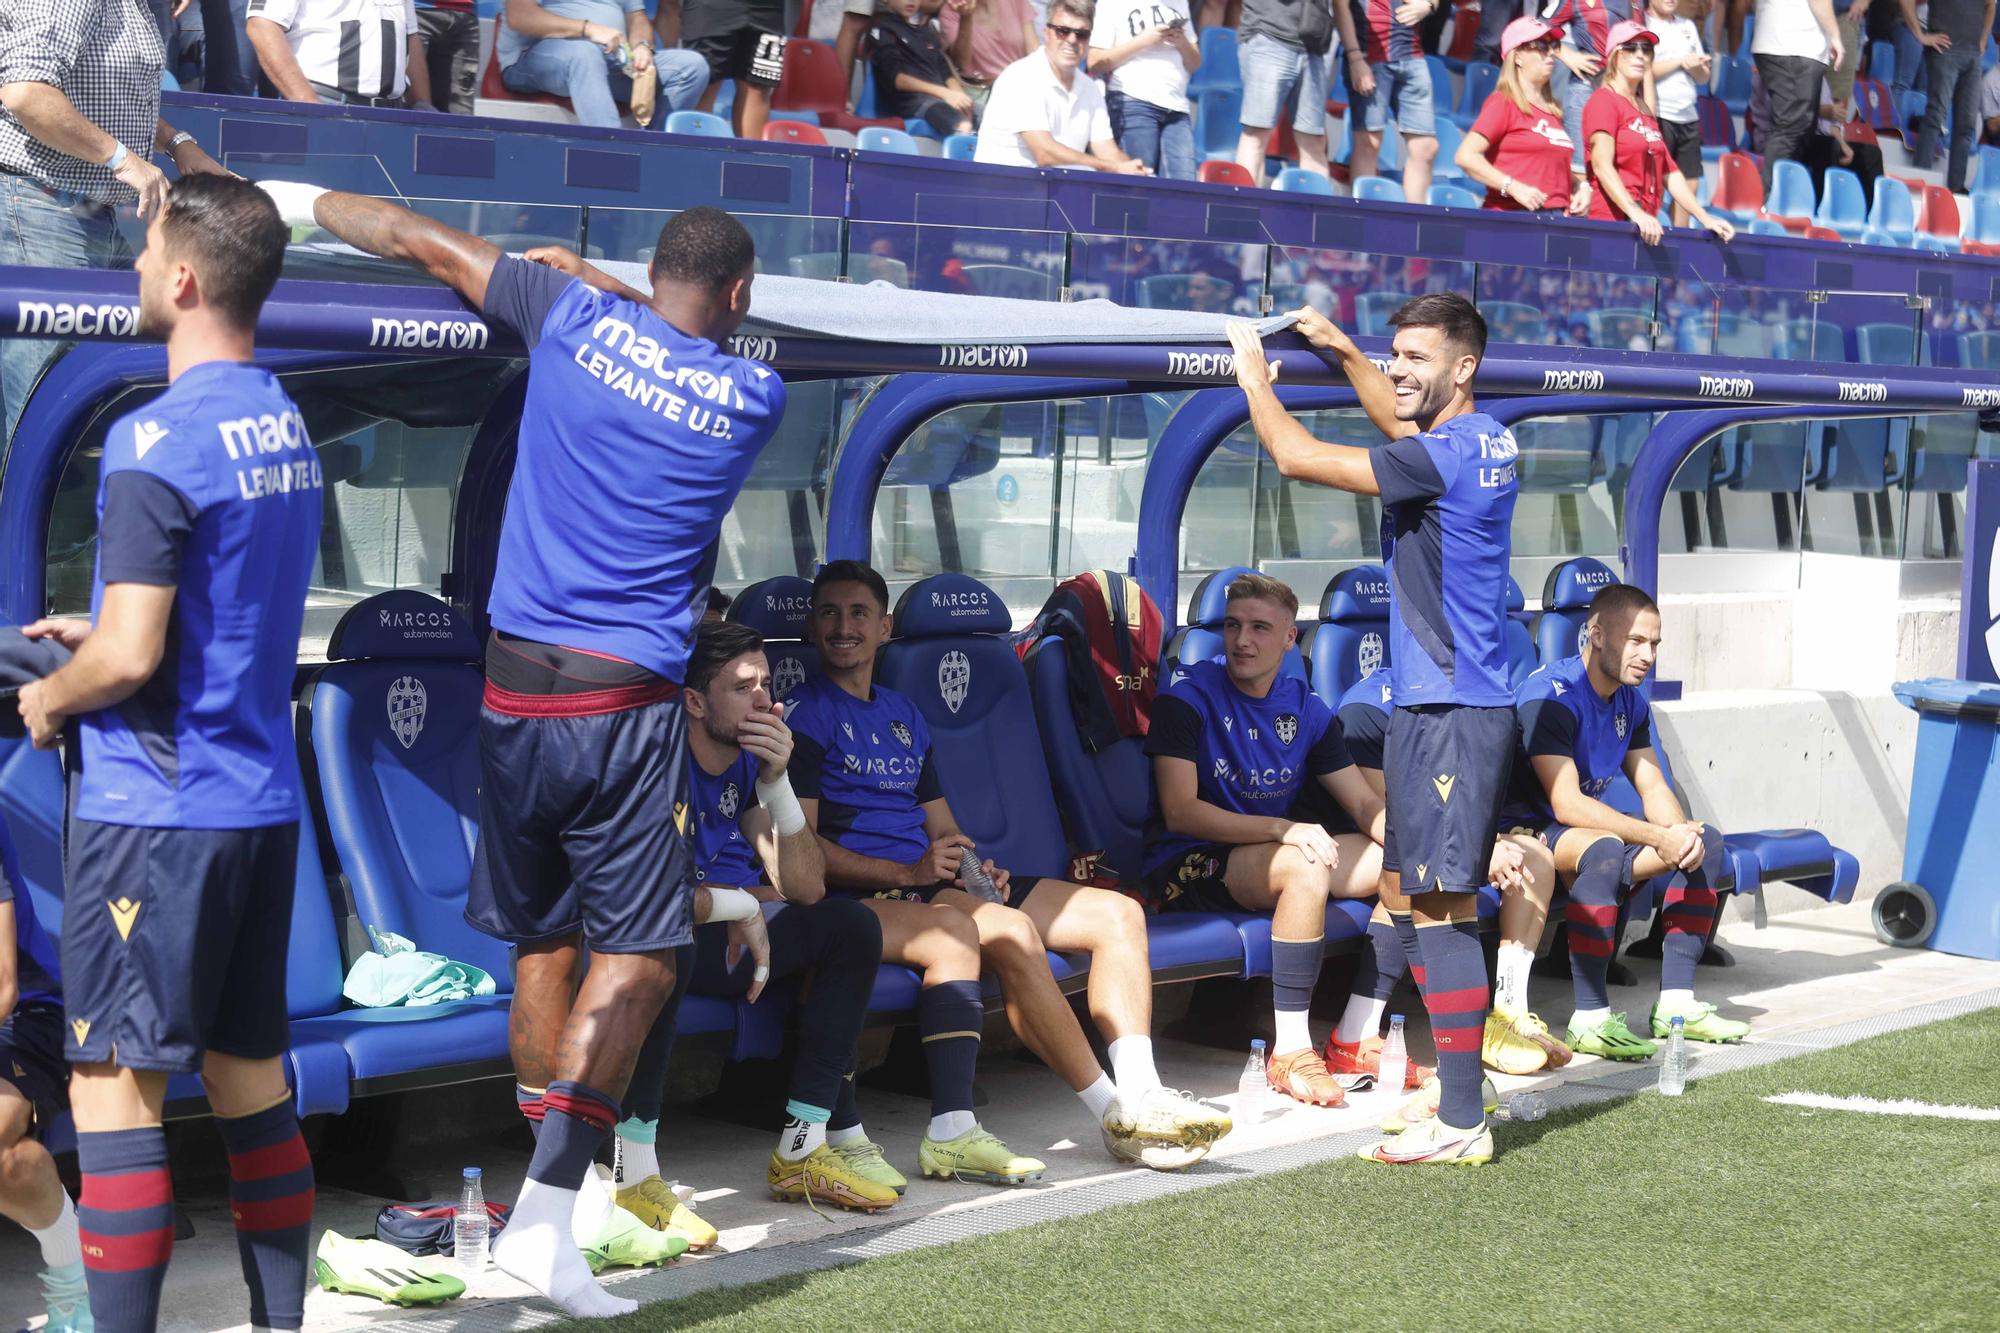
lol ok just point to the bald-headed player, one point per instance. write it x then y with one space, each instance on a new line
1446 479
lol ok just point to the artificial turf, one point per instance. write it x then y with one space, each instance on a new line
1717 1210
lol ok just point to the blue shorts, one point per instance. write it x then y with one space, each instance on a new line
1447 767
584 829
31 1058
175 942
1193 881
1402 89
1018 889
1542 828
1272 72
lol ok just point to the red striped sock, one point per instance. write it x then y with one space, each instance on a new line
271 1199
126 1218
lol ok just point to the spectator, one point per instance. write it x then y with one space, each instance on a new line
1628 154
449 33
1679 63
1387 74
1796 43
742 40
228 61
79 124
357 52
1586 43
1829 146
913 75
1283 54
1518 148
854 25
1142 50
1046 112
984 37
1883 22
1953 45
1848 16
1495 17
1208 294
572 48
1989 107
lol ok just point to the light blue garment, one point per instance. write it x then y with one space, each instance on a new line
398 973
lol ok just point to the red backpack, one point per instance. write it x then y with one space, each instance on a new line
1111 633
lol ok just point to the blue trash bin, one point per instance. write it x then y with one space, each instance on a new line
1949 899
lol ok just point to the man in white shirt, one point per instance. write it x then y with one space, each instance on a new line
1989 107
1046 112
361 52
1142 50
1797 42
1679 63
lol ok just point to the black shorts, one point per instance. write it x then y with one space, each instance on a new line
584 829
1542 828
1447 768
748 54
1684 147
1193 881
1018 889
31 1058
175 942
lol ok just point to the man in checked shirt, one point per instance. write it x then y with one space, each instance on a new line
79 125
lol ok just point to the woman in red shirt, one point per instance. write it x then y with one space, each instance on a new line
1518 148
1628 154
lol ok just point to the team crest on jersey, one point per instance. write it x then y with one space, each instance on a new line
954 679
786 676
1582 639
731 798
901 733
1371 654
1618 725
1287 728
407 705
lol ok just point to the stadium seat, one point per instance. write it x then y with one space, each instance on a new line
1521 656
1791 202
1842 207
1452 196
1351 641
1449 137
1480 80
1882 62
1218 122
1986 170
1217 171
1732 81
1937 216
1297 180
1376 189
1373 309
881 139
1718 128
1219 66
1623 330
1514 321
814 81
1910 106
1892 219
780 609
1200 637
792 131
1982 234
1875 105
1739 195
961 147
1558 630
1011 280
1766 227
700 123
1980 351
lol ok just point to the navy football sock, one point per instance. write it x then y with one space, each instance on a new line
1455 993
949 1016
575 1121
1689 915
1382 964
126 1218
271 1199
846 1107
1592 918
1294 970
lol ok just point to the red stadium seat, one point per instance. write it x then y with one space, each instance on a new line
1218 172
1821 233
792 131
492 88
1938 213
1740 192
813 81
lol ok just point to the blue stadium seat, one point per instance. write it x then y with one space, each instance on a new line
1732 81
1200 638
704 124
1480 80
1882 62
1378 189
1843 206
1219 64
1566 595
779 609
1351 641
1372 311
1766 227
1866 455
882 139
1218 122
1910 107
1297 180
1103 794
961 147
1450 134
1792 192
1892 219
1452 196
1521 657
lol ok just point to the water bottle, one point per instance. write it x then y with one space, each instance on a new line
1395 1069
1526 1107
1674 1069
470 1225
1253 1089
977 882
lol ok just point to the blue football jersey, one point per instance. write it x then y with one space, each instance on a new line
212 489
868 763
1448 512
635 439
722 855
1251 756
1562 713
36 970
1364 718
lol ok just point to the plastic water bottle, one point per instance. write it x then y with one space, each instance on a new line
1526 1107
1395 1059
1253 1090
470 1225
977 882
1674 1070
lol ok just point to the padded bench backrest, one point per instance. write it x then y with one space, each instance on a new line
395 735
1351 641
1201 639
1103 797
779 609
1521 657
949 652
1566 606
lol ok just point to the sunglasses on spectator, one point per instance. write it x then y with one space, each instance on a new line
1075 34
1637 48
1543 48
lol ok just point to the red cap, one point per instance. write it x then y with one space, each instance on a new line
1628 31
1524 30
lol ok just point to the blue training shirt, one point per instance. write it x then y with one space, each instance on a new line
36 970
213 489
1448 513
635 438
868 763
1364 718
1251 756
1560 712
722 855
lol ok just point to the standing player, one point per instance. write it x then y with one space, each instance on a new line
1583 722
183 838
32 1079
636 435
1447 484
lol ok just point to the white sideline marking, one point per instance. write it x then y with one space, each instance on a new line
1876 1106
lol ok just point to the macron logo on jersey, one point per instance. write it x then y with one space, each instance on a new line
271 433
636 365
145 435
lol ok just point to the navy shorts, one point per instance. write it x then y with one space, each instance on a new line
31 1058
1018 889
1193 881
1447 768
174 943
584 828
1542 828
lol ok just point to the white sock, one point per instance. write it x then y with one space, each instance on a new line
1099 1095
1294 1034
950 1125
800 1139
1676 1001
61 1245
1588 1018
1360 1020
637 1158
1510 986
852 1134
594 1201
1132 1065
538 1249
